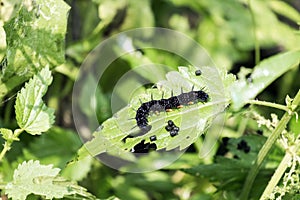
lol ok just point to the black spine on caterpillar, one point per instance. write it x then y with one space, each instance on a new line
164 104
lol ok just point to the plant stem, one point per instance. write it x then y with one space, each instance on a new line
269 104
8 143
277 175
266 148
242 125
6 148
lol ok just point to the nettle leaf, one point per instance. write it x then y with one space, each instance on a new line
59 146
32 114
193 120
246 148
33 178
35 38
229 174
263 75
7 134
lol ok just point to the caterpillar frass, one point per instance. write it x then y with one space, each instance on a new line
143 147
242 145
172 128
198 72
173 102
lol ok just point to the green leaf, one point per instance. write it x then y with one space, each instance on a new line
67 142
230 173
60 147
283 8
244 159
33 178
7 134
79 170
35 38
96 100
223 170
254 142
193 120
262 76
32 114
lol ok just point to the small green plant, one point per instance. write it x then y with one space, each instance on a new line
32 115
35 118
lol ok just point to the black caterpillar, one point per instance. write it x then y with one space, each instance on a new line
166 105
